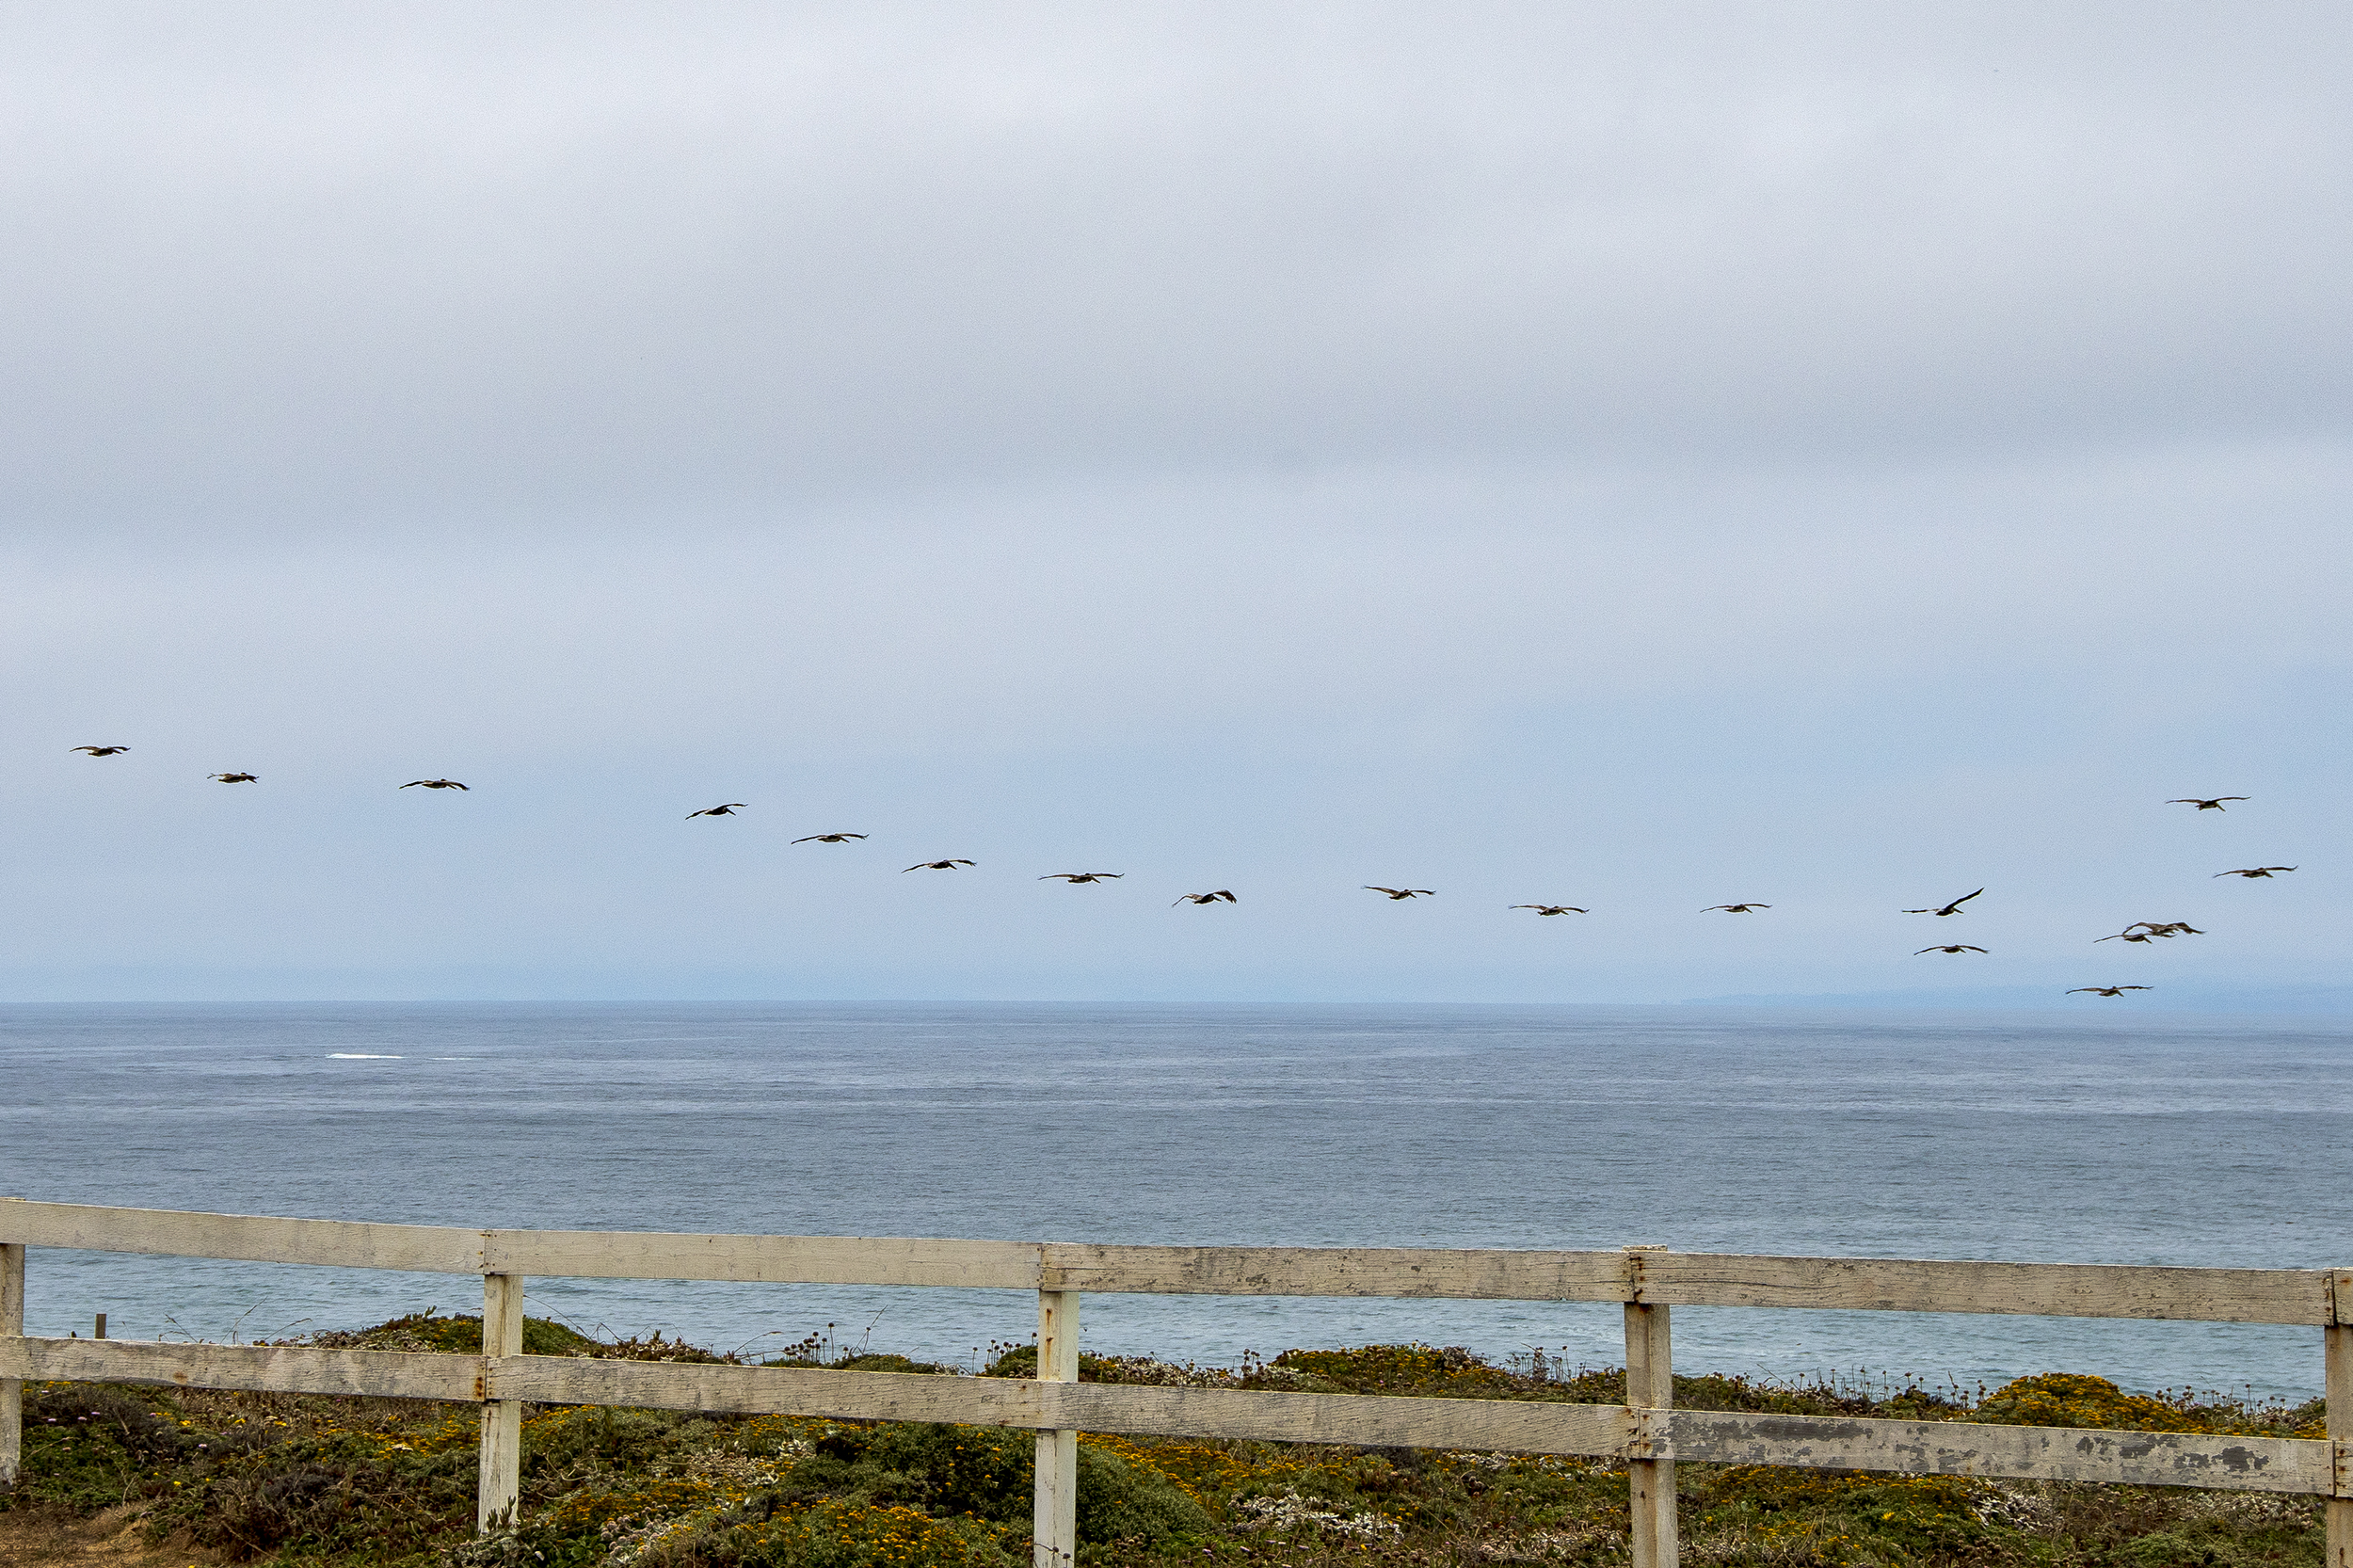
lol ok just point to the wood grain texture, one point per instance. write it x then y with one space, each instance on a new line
2337 1354
278 1369
343 1243
1504 1426
1680 1279
11 1388
1350 1418
1396 1271
1054 1510
1654 1536
1922 1448
498 1485
769 1390
773 1259
2055 1290
1966 1448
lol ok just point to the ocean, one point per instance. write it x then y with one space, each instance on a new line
2110 1136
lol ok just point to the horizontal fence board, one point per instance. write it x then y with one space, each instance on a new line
1483 1274
1967 1449
1369 1421
1374 1420
765 1391
775 1259
1510 1426
2055 1290
277 1368
260 1238
1668 1278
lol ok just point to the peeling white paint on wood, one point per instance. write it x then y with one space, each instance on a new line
1968 1449
2053 1290
498 1489
1680 1279
11 1387
1478 1274
275 1368
260 1238
773 1259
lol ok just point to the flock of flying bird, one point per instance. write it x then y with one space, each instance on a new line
2139 931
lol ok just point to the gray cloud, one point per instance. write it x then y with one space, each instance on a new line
366 262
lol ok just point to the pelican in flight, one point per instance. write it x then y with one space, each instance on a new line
235 778
1948 947
103 751
1073 878
1952 908
2256 870
727 811
2113 990
1207 898
433 784
1403 892
1553 908
2169 928
935 866
1735 908
829 838
2213 805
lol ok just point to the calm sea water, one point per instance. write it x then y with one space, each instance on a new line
2117 1137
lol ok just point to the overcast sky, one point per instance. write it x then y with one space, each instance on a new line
1640 456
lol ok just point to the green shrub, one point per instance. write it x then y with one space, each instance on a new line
843 1535
1119 1501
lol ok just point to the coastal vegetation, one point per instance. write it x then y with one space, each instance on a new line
339 1482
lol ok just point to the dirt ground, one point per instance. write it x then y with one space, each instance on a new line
53 1538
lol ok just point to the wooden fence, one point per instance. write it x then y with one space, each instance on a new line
1645 1432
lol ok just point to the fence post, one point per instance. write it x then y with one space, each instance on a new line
11 1389
1055 1527
1650 1386
2339 1386
500 1486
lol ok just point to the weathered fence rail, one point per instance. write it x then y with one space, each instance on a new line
1645 1432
